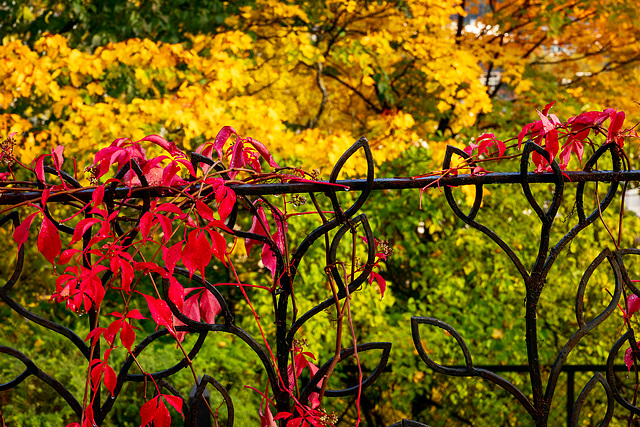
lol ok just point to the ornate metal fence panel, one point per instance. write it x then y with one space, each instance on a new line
336 229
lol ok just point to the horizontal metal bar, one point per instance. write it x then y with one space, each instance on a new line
526 368
9 197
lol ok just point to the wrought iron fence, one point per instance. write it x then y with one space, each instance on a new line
537 402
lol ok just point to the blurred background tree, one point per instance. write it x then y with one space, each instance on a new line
307 79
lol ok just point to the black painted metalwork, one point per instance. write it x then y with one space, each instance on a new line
345 220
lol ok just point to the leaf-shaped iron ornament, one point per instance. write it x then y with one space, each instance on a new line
620 255
355 207
317 379
548 216
630 338
608 416
13 218
446 164
469 370
337 274
585 327
613 186
32 369
470 218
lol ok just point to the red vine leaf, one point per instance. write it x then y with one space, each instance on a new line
260 148
174 401
204 211
209 306
49 243
617 120
380 280
160 312
226 199
218 246
58 158
257 228
21 233
170 147
127 336
171 256
221 139
633 302
197 253
39 167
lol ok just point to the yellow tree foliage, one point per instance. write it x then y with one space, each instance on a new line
307 78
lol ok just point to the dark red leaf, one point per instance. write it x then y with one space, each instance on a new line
67 256
630 357
160 312
381 282
174 401
112 330
191 308
204 211
238 158
633 303
45 196
260 148
188 165
150 266
39 167
97 196
109 378
127 275
49 243
145 224
171 256
135 314
94 335
82 227
161 418
226 199
96 373
127 336
209 307
221 139
176 294
165 223
547 107
268 259
170 175
170 147
197 253
58 158
148 410
617 120
552 144
257 228
21 233
525 130
218 245
169 207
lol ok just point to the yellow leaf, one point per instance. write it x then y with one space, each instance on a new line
368 81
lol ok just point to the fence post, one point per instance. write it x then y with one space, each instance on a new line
204 417
570 395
